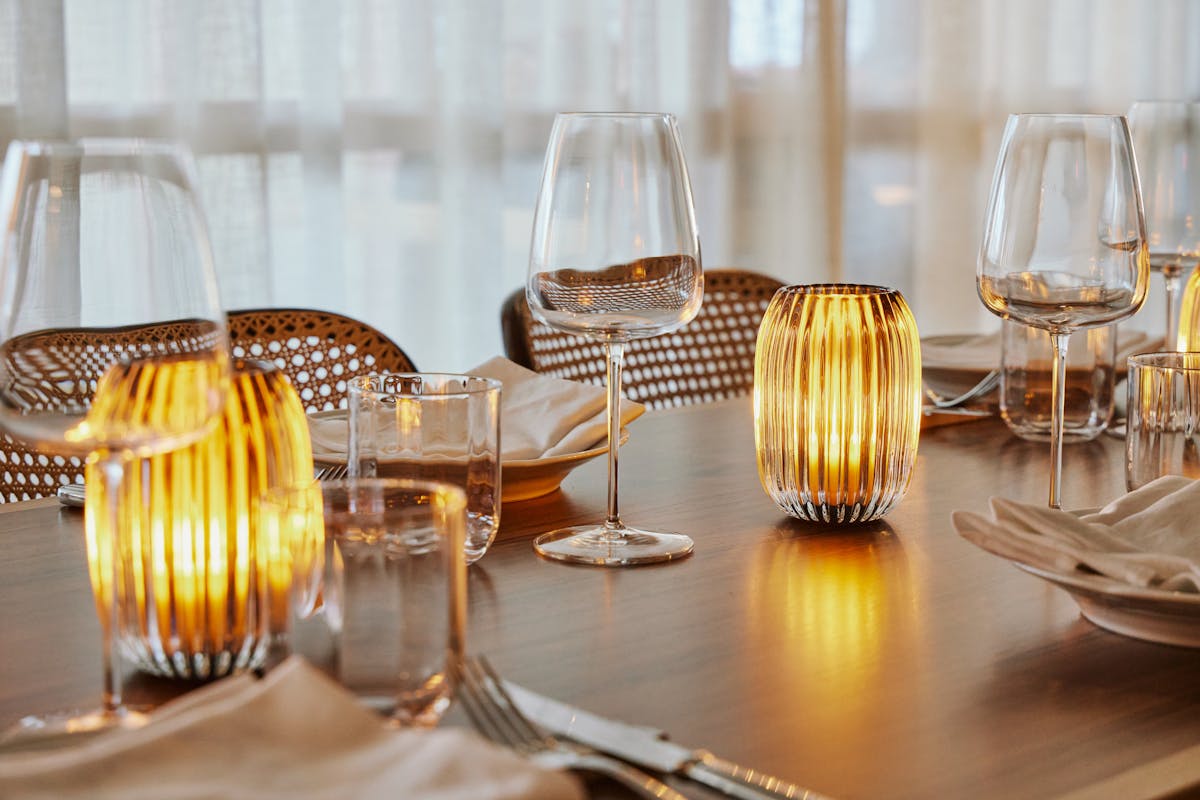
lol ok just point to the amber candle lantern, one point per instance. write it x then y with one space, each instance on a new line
202 576
837 401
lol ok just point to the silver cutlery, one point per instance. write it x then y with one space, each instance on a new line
72 494
648 747
989 382
331 472
493 713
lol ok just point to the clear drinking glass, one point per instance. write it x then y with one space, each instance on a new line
1026 375
1064 243
392 617
1163 417
112 339
1166 140
615 257
433 427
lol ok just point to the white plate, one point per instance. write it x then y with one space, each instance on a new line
1151 614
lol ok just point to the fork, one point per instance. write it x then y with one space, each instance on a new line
496 716
332 472
985 385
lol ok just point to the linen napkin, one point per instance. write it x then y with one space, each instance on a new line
540 416
982 352
293 734
1146 538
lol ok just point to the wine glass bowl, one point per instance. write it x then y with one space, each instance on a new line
1064 245
614 257
1166 140
112 339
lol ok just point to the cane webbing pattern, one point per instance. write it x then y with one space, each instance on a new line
657 283
711 358
319 351
26 474
59 369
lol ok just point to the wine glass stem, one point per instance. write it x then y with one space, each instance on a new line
1058 394
616 353
1171 282
112 471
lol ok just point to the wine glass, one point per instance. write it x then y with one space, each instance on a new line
112 340
1166 141
1064 243
615 257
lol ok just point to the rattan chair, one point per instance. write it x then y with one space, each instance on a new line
318 350
710 358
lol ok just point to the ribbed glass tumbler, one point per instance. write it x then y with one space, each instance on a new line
837 401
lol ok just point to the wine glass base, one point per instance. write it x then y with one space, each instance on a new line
50 730
605 546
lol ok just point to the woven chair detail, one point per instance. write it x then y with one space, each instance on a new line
27 473
711 358
319 351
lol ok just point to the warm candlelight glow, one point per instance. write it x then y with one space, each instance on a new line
837 401
203 578
1188 339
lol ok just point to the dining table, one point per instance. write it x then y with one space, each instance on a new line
890 659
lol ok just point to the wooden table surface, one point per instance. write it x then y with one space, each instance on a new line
888 660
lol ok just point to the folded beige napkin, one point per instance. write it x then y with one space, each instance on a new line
1146 538
982 352
293 734
540 416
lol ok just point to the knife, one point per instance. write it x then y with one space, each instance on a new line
648 747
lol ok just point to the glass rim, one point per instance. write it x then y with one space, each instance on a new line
618 114
1181 360
1064 115
840 289
473 385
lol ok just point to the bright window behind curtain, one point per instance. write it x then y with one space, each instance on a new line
380 157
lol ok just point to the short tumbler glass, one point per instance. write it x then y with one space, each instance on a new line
390 622
432 426
1027 371
1163 417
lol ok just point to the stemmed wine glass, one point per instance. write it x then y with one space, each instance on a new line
112 339
1064 243
1166 141
615 257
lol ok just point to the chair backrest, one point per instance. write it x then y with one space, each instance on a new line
710 358
319 351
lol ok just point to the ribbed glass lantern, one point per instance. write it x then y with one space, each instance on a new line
837 401
203 574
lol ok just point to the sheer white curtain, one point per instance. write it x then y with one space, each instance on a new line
381 157
930 83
